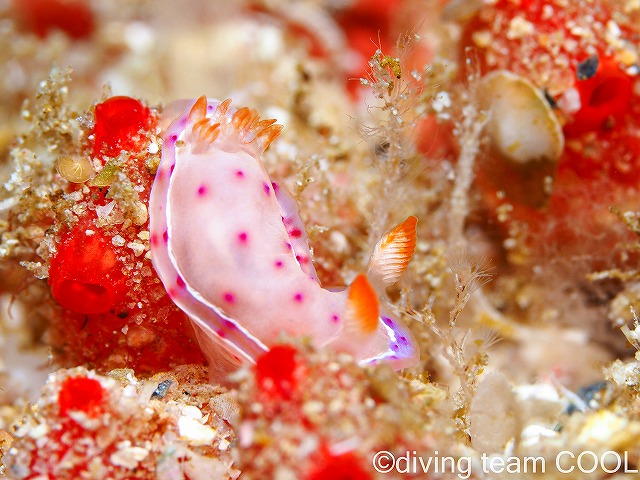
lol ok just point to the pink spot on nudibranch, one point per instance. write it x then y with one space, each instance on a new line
229 297
180 282
202 190
171 169
243 237
288 246
335 318
298 297
267 190
295 233
278 264
239 174
220 333
153 240
165 236
275 186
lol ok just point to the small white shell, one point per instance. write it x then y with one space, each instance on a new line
521 125
75 169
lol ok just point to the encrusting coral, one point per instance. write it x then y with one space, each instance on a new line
91 236
330 422
91 426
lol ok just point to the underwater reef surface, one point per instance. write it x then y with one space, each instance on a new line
319 239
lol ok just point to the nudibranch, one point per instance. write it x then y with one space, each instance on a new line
230 247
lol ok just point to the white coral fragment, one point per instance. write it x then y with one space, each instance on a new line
129 457
193 431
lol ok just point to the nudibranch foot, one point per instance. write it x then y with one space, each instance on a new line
230 247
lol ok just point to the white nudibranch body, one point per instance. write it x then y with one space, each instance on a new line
230 247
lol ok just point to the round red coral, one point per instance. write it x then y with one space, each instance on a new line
120 123
279 371
339 467
81 394
85 275
73 17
